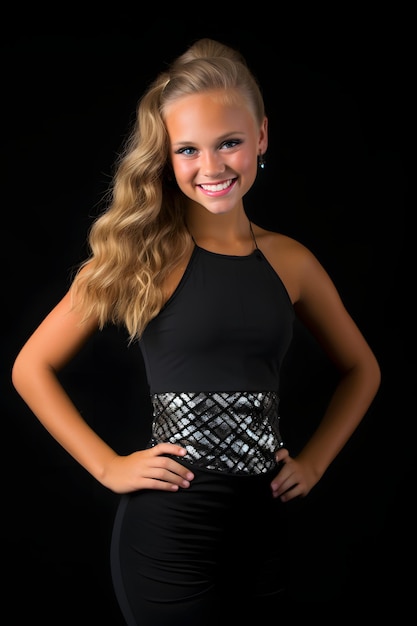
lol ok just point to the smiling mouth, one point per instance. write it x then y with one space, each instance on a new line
219 186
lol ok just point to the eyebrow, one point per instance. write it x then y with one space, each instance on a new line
233 133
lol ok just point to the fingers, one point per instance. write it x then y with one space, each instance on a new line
285 490
168 448
295 479
286 485
151 468
169 473
281 455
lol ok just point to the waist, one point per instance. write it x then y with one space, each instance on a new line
235 432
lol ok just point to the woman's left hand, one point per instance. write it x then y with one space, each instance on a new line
295 478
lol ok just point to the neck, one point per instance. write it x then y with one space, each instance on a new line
224 234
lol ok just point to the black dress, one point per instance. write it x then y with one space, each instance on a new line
213 357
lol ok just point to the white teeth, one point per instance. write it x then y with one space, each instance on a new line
218 187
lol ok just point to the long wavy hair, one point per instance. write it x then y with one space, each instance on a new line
140 237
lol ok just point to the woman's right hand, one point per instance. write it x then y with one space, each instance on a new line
148 469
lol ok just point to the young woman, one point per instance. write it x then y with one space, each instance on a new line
211 299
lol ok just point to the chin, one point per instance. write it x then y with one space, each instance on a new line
219 210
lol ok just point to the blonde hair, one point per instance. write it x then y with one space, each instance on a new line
141 236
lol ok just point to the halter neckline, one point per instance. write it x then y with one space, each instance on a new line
253 235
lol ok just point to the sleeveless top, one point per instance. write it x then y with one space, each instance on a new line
212 357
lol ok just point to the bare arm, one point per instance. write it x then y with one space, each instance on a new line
320 307
57 339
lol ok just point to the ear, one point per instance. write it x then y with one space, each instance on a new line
263 137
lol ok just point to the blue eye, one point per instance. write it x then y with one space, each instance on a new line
231 143
186 151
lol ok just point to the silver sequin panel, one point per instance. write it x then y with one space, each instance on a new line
233 432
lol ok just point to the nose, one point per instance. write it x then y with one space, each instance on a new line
212 164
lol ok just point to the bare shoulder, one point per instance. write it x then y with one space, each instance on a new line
287 256
278 244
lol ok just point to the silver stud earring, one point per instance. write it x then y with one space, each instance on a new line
261 162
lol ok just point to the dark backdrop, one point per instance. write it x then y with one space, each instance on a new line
337 174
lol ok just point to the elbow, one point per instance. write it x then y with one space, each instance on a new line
377 375
373 374
19 372
16 373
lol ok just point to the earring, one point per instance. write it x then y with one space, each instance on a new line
261 161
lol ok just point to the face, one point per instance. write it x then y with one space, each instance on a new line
214 147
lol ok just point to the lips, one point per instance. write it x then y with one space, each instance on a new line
218 187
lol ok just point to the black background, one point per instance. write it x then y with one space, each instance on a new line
338 97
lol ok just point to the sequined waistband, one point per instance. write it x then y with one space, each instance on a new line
234 432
